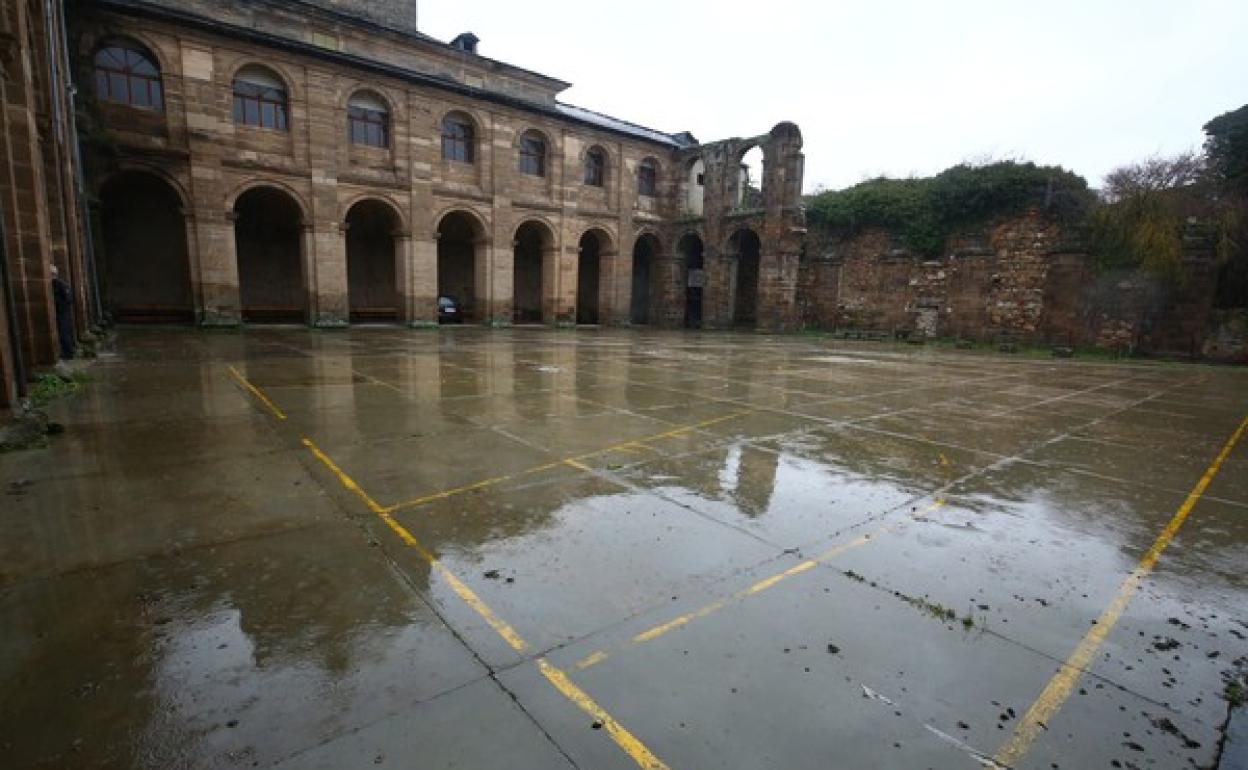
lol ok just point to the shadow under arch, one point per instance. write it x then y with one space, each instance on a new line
372 260
533 272
146 270
269 247
461 262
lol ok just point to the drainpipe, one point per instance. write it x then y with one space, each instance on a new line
75 149
10 303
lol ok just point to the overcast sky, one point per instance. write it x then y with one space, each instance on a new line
897 88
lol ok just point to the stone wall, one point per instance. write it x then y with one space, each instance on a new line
987 284
1020 279
38 202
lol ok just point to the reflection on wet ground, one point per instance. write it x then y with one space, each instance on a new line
709 550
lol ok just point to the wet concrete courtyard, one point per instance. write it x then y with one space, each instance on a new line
609 549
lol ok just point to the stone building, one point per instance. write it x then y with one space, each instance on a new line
41 205
326 163
323 162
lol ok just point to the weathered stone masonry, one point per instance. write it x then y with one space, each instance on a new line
211 163
1020 279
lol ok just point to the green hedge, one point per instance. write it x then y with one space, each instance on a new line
925 211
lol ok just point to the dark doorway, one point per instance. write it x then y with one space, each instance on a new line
644 252
372 286
588 269
533 241
270 271
146 275
744 248
458 237
691 251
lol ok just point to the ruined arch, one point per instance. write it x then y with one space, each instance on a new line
533 271
695 186
268 238
462 244
751 172
692 254
145 271
371 225
744 252
595 244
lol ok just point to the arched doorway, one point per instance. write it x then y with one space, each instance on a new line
744 249
459 235
372 284
589 277
645 251
270 270
691 252
146 275
750 179
534 242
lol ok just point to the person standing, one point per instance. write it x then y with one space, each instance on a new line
63 296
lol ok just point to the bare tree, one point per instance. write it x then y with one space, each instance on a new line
1153 175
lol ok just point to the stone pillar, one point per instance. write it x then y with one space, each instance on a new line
667 297
325 275
218 268
421 286
615 286
559 276
500 282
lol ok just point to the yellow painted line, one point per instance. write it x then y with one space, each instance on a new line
762 585
572 461
622 737
592 659
272 407
579 466
627 742
342 477
1063 682
451 492
466 594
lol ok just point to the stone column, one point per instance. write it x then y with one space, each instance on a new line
422 283
500 283
325 271
559 281
218 268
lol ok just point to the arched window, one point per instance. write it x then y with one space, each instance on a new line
596 167
126 75
647 178
533 154
458 138
368 120
259 99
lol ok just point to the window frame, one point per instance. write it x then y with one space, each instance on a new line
371 124
265 100
533 152
458 147
113 77
648 178
596 167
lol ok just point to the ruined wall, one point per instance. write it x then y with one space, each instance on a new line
987 284
1020 278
